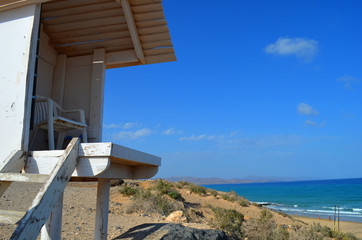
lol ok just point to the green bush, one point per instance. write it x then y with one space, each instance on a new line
213 193
175 195
230 221
128 191
163 187
243 202
146 201
197 189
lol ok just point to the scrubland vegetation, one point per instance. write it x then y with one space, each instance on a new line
162 197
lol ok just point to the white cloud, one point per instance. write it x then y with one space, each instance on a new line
306 109
315 124
132 134
198 138
126 125
300 47
311 123
348 81
129 125
171 131
113 125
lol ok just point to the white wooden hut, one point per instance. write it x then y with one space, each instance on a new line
53 57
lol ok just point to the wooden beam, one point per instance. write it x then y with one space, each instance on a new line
47 198
102 207
133 30
7 5
121 57
24 177
97 94
13 163
10 217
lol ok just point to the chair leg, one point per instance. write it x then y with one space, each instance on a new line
51 139
85 136
60 141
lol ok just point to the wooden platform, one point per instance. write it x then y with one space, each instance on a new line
99 160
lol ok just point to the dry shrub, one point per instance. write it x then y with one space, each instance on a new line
261 228
147 202
230 221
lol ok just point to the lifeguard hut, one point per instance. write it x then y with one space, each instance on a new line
53 57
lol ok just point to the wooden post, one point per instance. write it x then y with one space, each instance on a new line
52 229
102 209
97 95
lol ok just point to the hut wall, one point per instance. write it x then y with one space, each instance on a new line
17 62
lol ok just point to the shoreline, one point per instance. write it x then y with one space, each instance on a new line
345 226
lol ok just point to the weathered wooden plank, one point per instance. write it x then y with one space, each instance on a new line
92 37
85 24
155 37
133 30
69 4
119 48
144 2
122 152
13 163
161 58
24 177
151 23
83 17
157 44
159 51
45 201
125 171
89 31
127 42
147 8
121 57
149 16
86 167
79 10
97 93
153 30
10 217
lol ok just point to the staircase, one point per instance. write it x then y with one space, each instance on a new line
29 223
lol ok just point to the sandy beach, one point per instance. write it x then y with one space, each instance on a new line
351 227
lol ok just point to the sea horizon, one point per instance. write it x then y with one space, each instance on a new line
310 198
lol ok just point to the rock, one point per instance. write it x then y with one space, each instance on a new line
171 231
176 216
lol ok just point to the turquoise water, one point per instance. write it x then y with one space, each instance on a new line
308 198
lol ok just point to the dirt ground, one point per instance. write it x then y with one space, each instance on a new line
80 205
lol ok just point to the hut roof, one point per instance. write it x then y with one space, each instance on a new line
126 29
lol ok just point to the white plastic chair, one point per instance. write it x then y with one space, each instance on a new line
51 117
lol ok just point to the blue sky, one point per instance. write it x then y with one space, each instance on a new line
263 88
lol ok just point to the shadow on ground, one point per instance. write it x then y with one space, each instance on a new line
141 231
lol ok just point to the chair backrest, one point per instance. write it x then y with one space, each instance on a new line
42 107
41 112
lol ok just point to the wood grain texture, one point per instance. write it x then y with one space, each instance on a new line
45 201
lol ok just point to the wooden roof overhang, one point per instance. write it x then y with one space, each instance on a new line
132 32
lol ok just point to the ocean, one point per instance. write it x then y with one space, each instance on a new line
305 198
